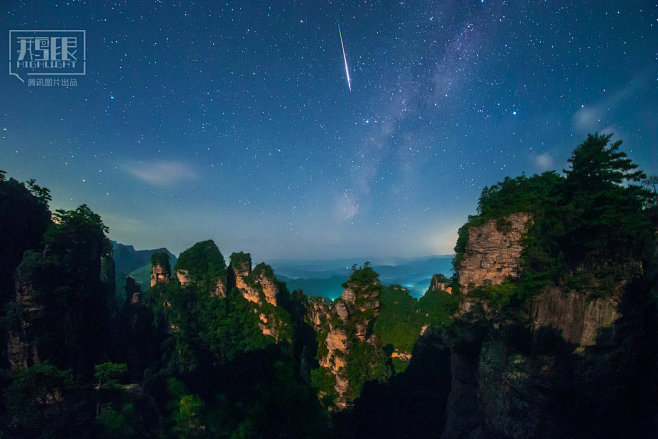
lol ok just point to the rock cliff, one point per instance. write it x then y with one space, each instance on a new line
493 251
159 275
559 363
20 351
340 326
262 289
440 283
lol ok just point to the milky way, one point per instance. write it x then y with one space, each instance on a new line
232 122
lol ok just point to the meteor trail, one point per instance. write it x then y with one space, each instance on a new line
347 72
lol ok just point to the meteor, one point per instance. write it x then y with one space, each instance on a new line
347 72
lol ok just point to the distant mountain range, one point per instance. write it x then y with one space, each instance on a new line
325 277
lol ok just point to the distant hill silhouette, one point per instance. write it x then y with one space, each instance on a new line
323 278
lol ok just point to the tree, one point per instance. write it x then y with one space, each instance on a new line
651 181
604 214
64 285
595 165
24 218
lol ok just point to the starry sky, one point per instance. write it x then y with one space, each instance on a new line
234 121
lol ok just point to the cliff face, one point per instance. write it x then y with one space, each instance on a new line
261 288
340 325
493 251
440 283
258 286
560 365
159 274
20 351
185 279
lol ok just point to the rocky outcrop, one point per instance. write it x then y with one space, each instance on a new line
493 251
339 325
183 277
220 289
563 363
240 269
440 283
159 275
268 286
261 288
580 320
20 351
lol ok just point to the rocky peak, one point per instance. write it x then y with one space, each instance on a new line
263 276
159 275
343 323
183 277
240 269
204 264
440 283
20 351
160 268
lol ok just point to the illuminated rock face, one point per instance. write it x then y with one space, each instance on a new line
159 274
343 323
493 251
436 284
183 277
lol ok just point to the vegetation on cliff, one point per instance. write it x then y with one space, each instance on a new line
203 262
588 228
161 259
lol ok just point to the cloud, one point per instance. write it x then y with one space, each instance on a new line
161 173
543 162
589 118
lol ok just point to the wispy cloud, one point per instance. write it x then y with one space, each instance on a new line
543 162
590 118
161 173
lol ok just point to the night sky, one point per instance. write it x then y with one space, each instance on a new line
235 121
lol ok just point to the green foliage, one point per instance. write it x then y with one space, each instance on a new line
264 270
520 194
108 374
37 401
595 165
500 295
362 276
187 420
399 321
199 360
119 424
204 263
594 217
239 259
24 218
365 362
440 278
436 307
324 382
204 325
65 281
161 259
281 320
